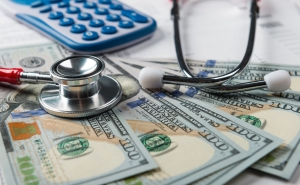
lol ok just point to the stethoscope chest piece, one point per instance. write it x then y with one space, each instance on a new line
81 90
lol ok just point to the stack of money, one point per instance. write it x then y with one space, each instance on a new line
172 135
275 113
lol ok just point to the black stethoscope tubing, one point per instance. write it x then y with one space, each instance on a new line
214 84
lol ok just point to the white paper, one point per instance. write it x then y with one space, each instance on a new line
219 30
14 34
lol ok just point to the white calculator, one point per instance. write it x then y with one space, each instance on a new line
84 26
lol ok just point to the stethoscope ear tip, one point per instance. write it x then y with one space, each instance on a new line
278 81
150 77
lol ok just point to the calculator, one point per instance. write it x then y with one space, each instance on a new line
84 26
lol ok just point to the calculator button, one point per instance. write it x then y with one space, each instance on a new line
89 5
73 10
78 28
104 1
55 1
134 16
90 35
80 1
37 4
84 16
45 9
63 4
96 23
115 6
125 24
101 11
113 17
108 29
66 21
55 15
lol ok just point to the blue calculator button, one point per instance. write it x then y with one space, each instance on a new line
78 28
113 17
104 1
89 5
45 9
80 1
134 16
63 4
108 30
126 24
56 15
84 16
115 6
66 21
90 35
37 4
55 1
101 11
96 23
73 10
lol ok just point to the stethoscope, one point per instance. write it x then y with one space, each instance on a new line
75 87
276 81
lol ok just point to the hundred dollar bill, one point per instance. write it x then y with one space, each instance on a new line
215 64
257 72
269 113
38 148
34 58
254 71
5 89
212 68
186 148
232 127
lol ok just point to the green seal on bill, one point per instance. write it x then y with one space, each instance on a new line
251 120
73 146
156 142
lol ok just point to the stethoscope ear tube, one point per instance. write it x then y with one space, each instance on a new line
216 84
275 82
